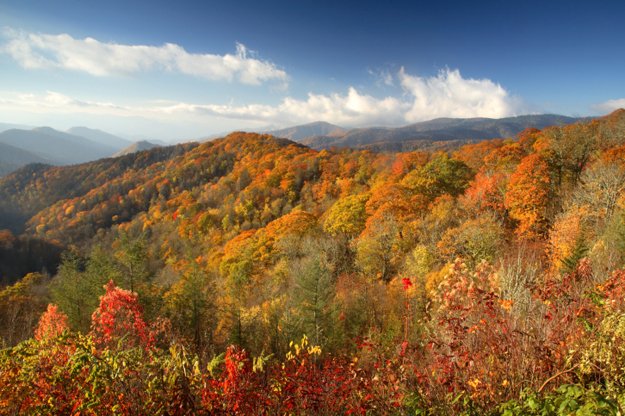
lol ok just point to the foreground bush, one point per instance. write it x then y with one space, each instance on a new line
477 357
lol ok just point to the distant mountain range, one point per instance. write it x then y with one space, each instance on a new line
57 147
101 137
12 158
423 134
9 126
22 146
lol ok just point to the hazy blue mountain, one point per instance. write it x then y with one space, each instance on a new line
439 130
9 126
318 128
136 147
101 137
145 138
13 158
57 147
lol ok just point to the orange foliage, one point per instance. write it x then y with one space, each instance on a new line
473 155
51 324
486 192
391 198
296 222
528 196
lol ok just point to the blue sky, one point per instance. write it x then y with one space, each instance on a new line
176 70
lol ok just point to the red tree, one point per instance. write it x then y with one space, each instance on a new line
119 318
51 324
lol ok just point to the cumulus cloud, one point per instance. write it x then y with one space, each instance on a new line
37 51
610 105
448 94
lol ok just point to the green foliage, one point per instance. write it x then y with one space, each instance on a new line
132 260
419 262
347 216
604 356
313 292
568 399
77 288
189 304
441 175
475 240
612 243
380 250
579 251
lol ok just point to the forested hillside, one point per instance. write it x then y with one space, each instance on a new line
253 274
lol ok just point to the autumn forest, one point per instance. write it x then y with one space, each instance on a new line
254 275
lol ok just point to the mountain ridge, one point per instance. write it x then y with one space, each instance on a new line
302 131
100 136
437 130
56 146
12 158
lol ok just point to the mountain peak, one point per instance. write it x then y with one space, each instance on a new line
618 113
316 128
136 147
46 130
102 137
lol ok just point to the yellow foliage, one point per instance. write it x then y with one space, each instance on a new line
566 232
435 278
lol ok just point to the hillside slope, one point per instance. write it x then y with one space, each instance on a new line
500 261
36 187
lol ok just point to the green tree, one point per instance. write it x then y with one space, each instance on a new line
474 240
313 290
132 258
441 175
77 292
379 250
190 306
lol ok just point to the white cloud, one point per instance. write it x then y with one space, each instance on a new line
447 94
450 95
382 77
350 109
37 51
54 102
610 105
